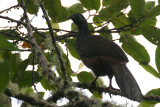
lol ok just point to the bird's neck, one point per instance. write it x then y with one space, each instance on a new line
83 30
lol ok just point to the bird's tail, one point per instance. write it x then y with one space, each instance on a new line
127 82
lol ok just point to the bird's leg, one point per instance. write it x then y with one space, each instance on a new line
110 86
94 81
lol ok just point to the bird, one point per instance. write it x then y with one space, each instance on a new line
105 57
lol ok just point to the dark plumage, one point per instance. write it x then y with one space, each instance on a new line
104 57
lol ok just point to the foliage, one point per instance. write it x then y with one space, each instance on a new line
48 63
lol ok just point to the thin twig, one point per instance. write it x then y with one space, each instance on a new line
14 50
9 8
13 20
15 36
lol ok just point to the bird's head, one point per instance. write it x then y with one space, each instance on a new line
78 19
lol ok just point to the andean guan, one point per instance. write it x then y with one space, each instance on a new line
104 57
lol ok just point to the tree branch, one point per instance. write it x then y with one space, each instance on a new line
13 20
114 92
9 8
38 51
28 99
63 68
11 35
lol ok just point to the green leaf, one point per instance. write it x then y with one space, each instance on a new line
41 94
19 71
155 11
97 21
27 79
100 82
63 16
157 58
117 5
120 21
147 22
4 75
54 8
90 26
72 48
137 51
73 26
153 92
137 7
106 13
47 86
32 6
29 91
6 45
55 25
151 70
85 77
106 3
105 33
149 5
81 65
97 95
151 33
91 4
76 8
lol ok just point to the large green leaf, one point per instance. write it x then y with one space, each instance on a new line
6 45
97 21
117 5
76 8
149 5
154 92
152 34
147 21
91 4
151 70
157 58
27 79
85 77
137 7
155 11
54 8
106 13
120 21
72 48
63 16
4 74
137 51
32 6
18 74
47 85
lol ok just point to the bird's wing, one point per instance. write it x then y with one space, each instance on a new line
100 46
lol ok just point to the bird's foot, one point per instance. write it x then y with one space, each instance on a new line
110 88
